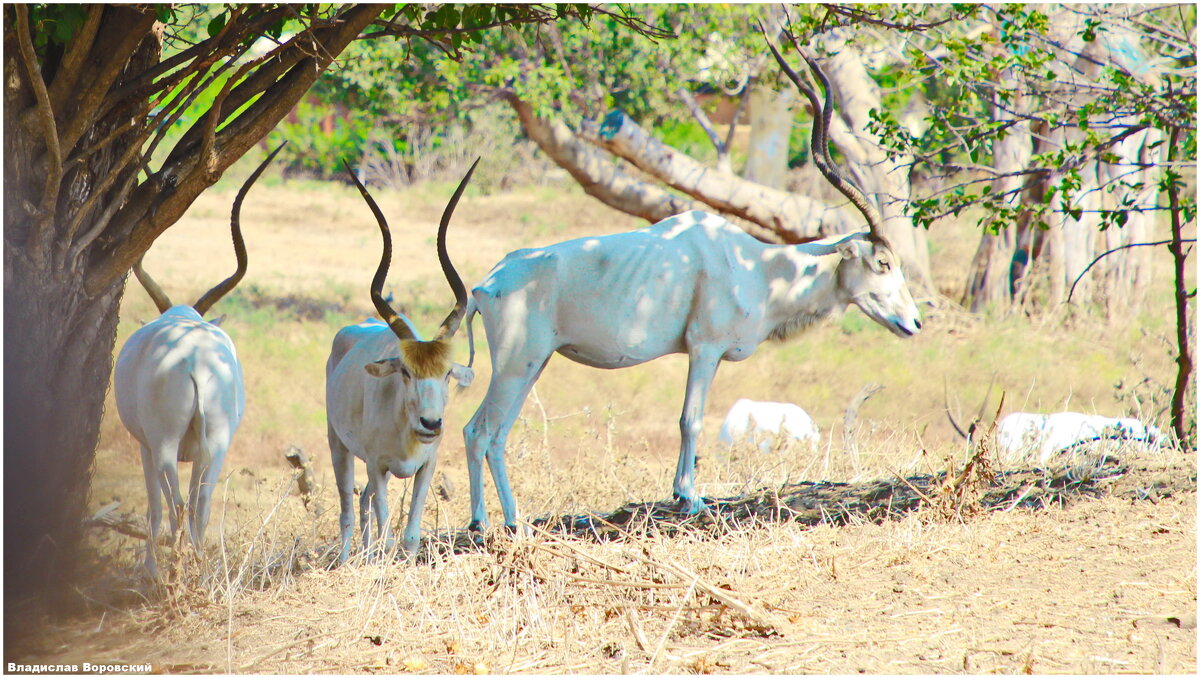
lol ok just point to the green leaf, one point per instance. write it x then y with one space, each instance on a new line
216 25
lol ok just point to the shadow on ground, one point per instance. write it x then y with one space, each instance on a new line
813 503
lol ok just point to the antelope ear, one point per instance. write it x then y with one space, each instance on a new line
462 374
382 368
848 250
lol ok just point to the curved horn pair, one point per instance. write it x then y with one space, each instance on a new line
163 302
978 417
820 141
400 328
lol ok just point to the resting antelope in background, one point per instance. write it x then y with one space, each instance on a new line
385 393
763 423
1050 438
179 391
693 283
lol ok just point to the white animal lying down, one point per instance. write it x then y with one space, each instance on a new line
179 391
1020 434
761 422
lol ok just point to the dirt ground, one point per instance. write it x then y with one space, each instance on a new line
1091 576
821 560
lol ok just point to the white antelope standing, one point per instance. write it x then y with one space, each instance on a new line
693 283
179 391
762 423
385 394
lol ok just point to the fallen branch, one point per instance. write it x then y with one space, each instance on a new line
848 441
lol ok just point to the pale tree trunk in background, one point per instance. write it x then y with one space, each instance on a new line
771 115
1126 275
993 276
883 177
1119 280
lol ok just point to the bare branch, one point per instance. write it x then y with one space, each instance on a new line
1117 249
211 49
594 172
851 12
118 47
156 204
705 124
743 99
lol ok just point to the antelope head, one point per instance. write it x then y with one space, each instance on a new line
206 301
869 274
425 367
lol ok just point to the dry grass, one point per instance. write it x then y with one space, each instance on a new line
1082 588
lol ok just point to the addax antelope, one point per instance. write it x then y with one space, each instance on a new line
763 423
179 391
1044 439
693 283
385 394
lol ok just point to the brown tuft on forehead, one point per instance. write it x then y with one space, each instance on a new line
877 239
426 359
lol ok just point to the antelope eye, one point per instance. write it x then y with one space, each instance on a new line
405 373
883 264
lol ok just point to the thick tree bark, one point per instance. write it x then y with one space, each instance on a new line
75 220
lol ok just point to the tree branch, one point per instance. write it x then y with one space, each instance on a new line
212 49
158 202
865 17
593 171
1117 249
130 27
706 125
788 216
66 76
48 207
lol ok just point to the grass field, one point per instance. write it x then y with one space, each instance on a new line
1083 588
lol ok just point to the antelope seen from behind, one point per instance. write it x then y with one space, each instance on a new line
385 394
694 284
179 391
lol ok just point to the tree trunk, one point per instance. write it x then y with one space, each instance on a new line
992 281
771 115
1183 375
75 220
1126 274
58 352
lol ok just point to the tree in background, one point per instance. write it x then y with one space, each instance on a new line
116 117
599 123
1053 121
1071 127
